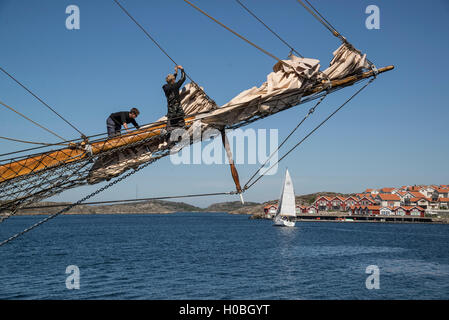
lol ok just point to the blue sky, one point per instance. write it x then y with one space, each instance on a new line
394 133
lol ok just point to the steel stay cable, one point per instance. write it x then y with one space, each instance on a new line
133 132
323 22
269 29
40 100
86 198
74 204
56 144
311 132
311 110
332 29
37 124
86 160
104 133
242 37
66 178
151 161
145 31
151 124
313 97
310 98
160 48
233 32
137 200
329 24
32 142
101 134
112 151
148 163
62 211
90 157
80 139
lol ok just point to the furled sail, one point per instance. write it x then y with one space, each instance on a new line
293 81
347 60
284 87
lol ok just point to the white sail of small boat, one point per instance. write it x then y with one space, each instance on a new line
286 210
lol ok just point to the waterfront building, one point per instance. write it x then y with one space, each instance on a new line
388 200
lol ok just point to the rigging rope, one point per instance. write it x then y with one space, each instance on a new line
72 205
234 32
40 100
269 29
136 131
247 185
31 142
314 12
37 124
137 200
311 110
67 208
145 31
330 25
148 163
310 133
162 49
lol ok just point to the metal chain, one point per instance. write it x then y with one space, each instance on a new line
69 169
74 204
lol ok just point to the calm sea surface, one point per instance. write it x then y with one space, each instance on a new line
221 256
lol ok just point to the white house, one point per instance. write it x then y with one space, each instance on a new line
443 203
388 200
427 191
400 211
386 211
443 193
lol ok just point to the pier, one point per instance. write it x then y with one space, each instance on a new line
366 218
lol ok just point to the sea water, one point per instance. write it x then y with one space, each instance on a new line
221 256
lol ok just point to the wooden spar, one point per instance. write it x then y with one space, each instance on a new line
68 155
234 173
350 80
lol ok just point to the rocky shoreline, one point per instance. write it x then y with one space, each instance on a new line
144 207
159 207
253 209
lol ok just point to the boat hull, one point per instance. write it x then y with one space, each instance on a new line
283 223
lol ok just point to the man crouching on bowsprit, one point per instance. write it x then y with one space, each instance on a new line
116 120
175 114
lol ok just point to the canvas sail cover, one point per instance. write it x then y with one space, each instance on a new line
282 89
287 204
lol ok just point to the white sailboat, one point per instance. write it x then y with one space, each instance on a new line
286 210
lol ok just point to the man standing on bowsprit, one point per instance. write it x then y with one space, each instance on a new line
175 114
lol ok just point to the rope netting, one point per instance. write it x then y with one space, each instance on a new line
29 179
72 171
